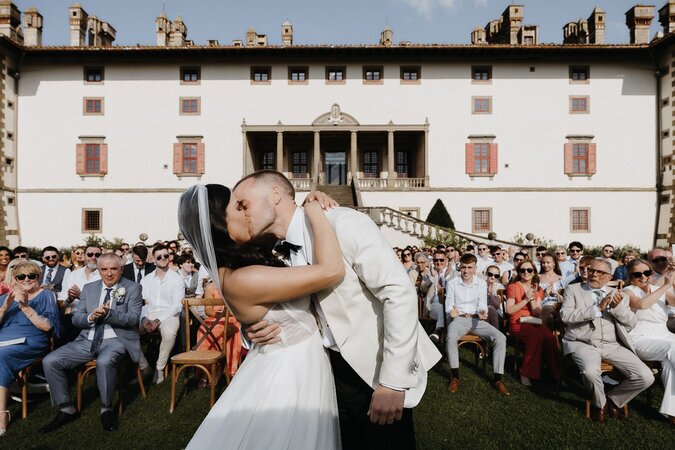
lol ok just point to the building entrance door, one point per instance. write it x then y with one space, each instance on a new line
335 168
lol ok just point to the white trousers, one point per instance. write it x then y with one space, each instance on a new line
168 328
662 349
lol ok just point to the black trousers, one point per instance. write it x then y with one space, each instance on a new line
356 430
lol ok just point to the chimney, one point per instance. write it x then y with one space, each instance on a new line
667 17
528 35
596 27
32 27
478 36
512 19
78 25
387 37
638 19
178 33
10 21
251 37
108 34
163 30
286 34
576 32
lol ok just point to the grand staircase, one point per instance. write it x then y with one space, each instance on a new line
343 194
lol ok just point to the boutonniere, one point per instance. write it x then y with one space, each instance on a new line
119 293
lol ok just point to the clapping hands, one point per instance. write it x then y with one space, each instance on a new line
611 300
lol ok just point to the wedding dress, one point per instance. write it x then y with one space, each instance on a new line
283 395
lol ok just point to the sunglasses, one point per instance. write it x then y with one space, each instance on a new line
407 254
575 250
492 275
161 257
21 255
599 272
518 260
482 249
23 276
79 253
638 275
439 260
48 258
93 255
541 253
560 253
660 259
524 270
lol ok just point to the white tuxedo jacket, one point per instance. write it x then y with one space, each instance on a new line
372 312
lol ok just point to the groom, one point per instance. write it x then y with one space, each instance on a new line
378 351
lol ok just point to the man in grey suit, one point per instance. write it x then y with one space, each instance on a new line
108 314
597 321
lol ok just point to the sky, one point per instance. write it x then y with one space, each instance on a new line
329 22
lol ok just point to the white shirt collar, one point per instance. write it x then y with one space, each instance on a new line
295 233
474 281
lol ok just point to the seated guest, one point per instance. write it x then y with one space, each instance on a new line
510 275
29 314
581 275
566 268
436 292
407 259
608 255
186 269
597 321
501 261
494 300
163 292
550 280
53 273
108 315
662 263
484 259
5 258
466 302
138 267
524 299
539 252
650 337
77 258
621 273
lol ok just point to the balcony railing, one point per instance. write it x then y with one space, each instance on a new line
383 184
301 184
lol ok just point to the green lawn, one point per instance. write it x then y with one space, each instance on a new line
476 417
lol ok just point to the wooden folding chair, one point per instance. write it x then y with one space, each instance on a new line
605 367
23 376
210 362
480 346
90 367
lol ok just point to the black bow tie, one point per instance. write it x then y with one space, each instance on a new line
285 248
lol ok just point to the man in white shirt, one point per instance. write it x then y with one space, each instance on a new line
502 261
434 291
484 259
163 292
566 267
466 303
607 255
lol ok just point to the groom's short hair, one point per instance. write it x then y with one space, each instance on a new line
271 177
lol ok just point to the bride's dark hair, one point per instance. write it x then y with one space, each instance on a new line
228 253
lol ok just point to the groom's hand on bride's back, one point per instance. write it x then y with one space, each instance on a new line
263 333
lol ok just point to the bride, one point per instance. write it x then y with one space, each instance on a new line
283 395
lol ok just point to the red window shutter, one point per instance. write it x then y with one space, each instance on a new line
103 164
470 163
569 166
591 158
493 163
201 152
79 159
177 158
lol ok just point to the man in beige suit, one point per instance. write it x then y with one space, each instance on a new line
378 350
597 321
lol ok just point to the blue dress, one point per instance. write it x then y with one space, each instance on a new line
15 324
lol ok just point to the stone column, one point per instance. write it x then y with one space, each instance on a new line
248 162
426 156
316 159
280 151
353 158
391 172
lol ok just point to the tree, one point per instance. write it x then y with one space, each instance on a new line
440 216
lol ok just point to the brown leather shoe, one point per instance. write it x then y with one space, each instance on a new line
614 411
502 388
453 387
598 414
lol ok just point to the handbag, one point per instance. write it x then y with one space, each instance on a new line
531 320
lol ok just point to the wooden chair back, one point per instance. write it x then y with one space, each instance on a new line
191 305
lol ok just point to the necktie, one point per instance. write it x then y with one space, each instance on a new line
139 276
100 327
285 248
599 294
48 280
